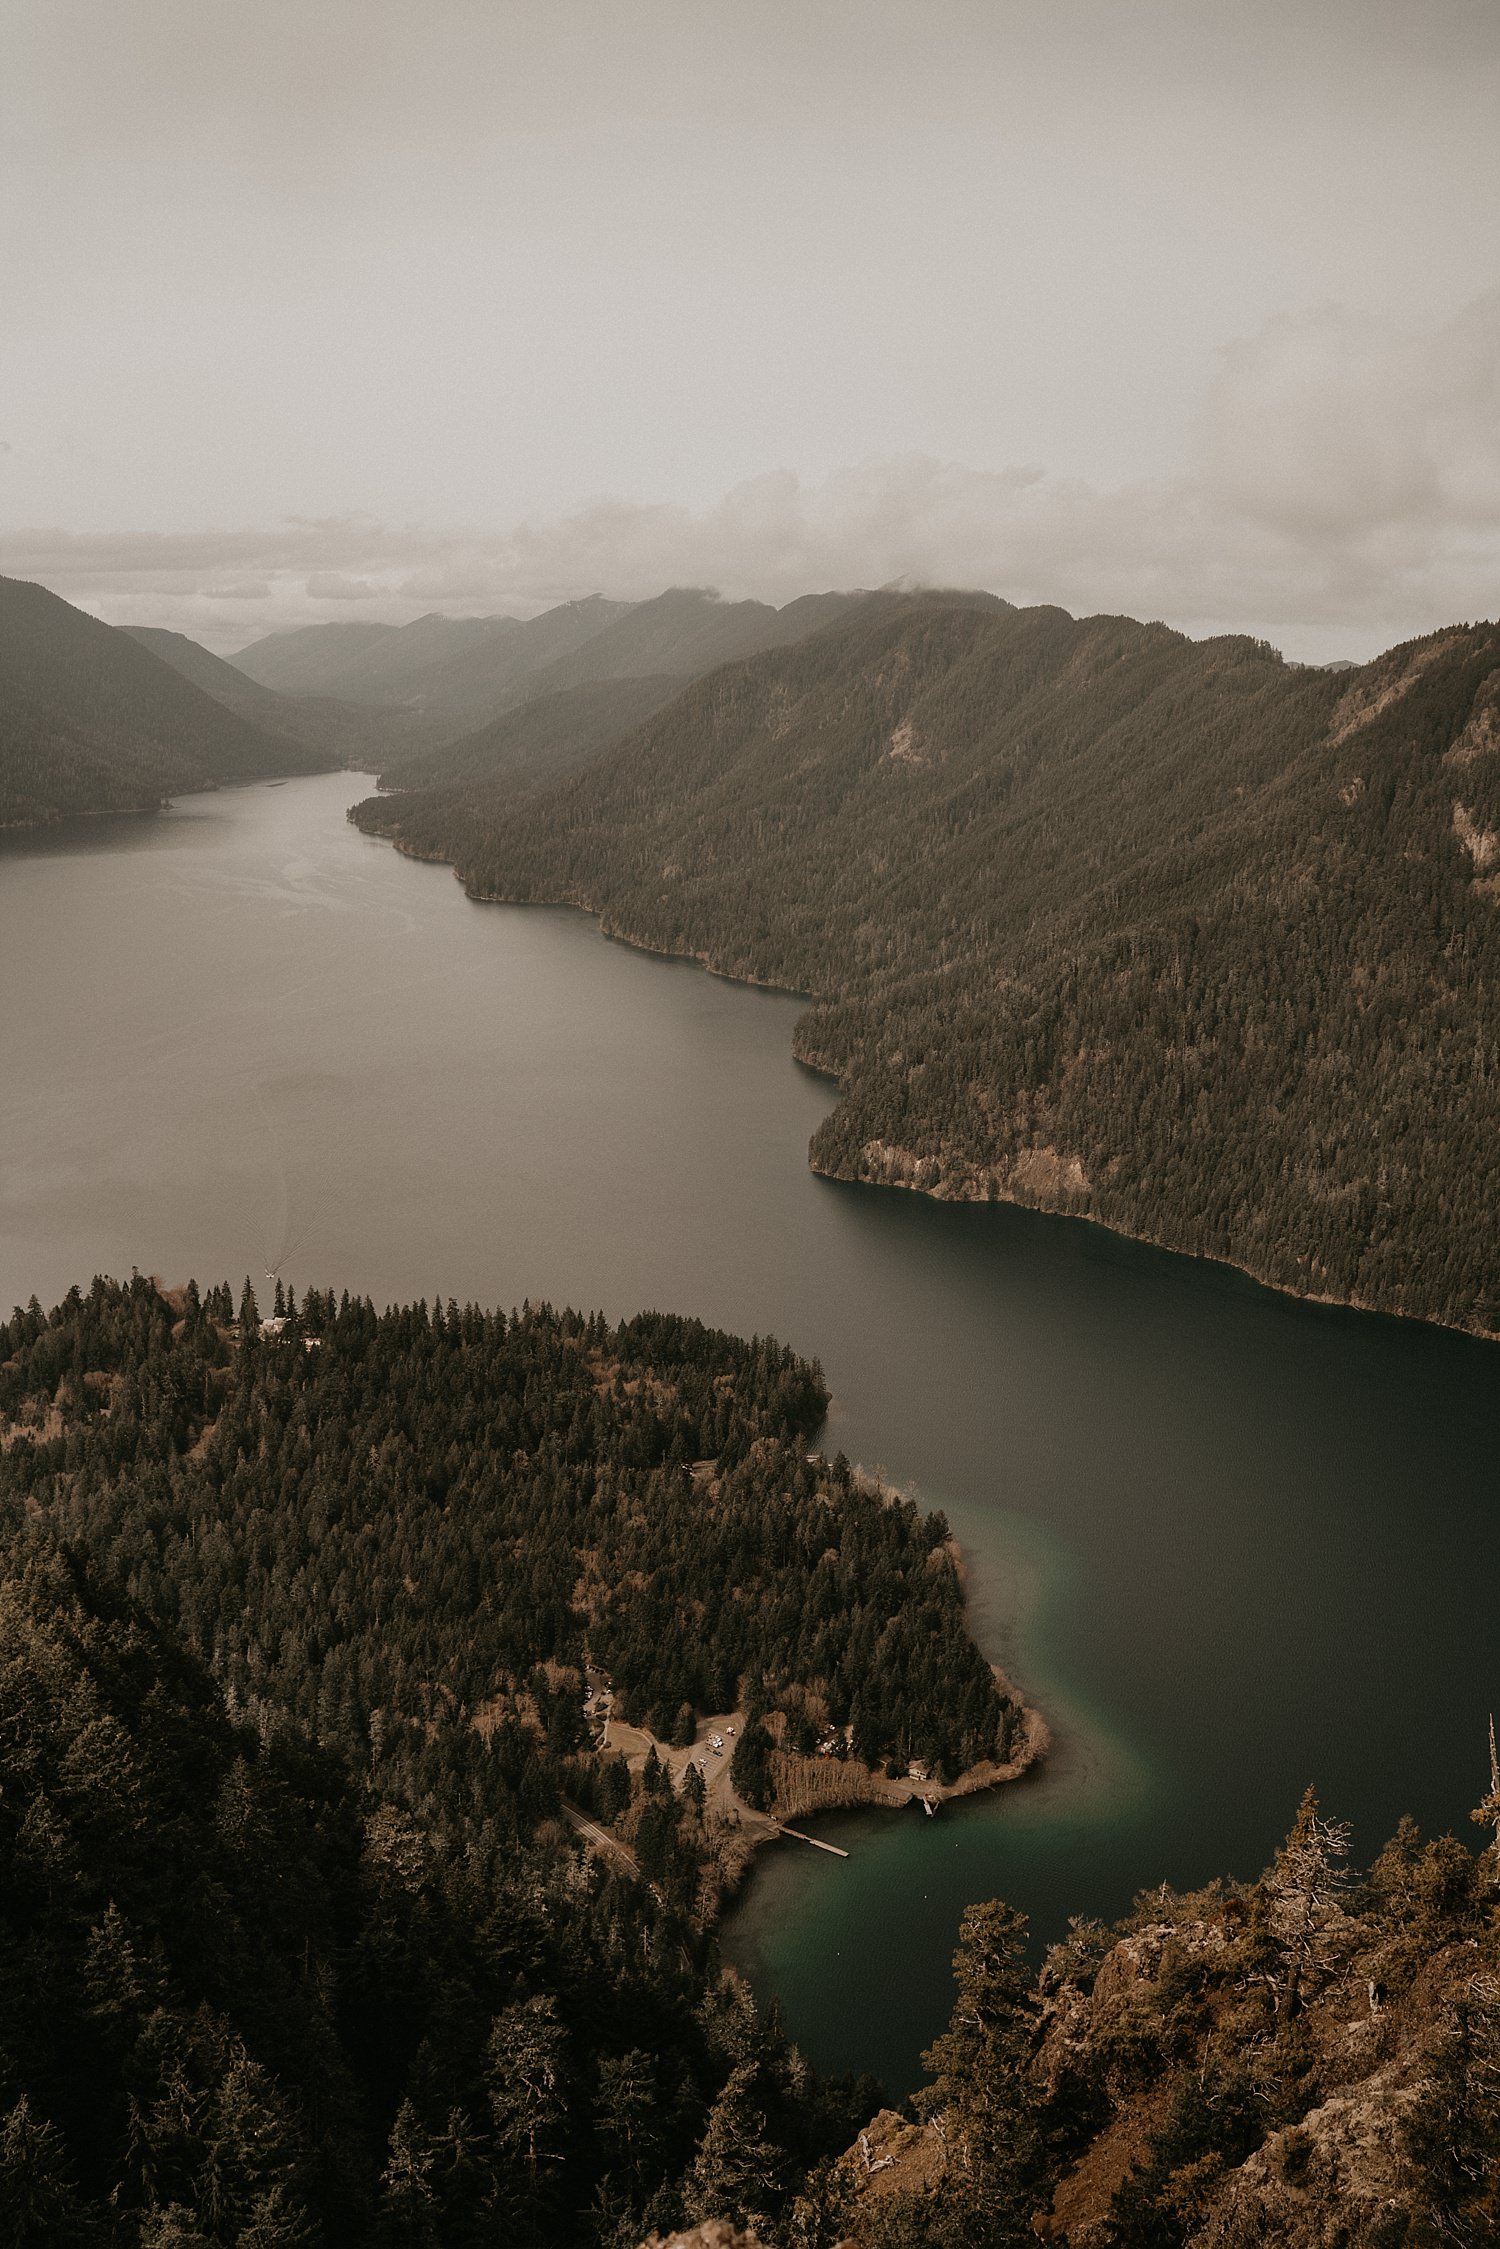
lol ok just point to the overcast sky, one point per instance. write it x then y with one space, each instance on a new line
353 308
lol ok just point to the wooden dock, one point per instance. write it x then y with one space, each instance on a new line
797 1836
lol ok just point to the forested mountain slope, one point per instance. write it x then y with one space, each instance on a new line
596 690
315 659
1166 933
298 1940
353 733
542 740
90 721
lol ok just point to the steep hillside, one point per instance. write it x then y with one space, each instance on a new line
687 631
1165 933
446 675
351 733
90 721
1309 2061
538 741
563 714
310 659
464 686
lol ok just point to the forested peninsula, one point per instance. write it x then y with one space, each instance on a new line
1168 934
330 1911
328 1917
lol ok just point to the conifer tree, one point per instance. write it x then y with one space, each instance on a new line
625 2109
978 2097
738 2171
526 2075
408 2197
38 2206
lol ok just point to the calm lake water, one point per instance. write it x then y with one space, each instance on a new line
1230 1544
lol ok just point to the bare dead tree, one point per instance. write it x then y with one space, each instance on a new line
1304 1893
1487 1812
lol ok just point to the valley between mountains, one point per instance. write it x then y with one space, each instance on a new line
1168 934
328 1916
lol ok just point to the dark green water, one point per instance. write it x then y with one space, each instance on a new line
1229 1543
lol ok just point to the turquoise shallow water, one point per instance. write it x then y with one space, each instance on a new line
1229 1543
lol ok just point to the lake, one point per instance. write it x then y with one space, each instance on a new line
1231 1544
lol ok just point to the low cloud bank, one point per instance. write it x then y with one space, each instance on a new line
1341 491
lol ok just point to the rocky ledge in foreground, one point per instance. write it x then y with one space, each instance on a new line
1310 2060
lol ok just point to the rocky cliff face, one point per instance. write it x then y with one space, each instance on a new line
714 2233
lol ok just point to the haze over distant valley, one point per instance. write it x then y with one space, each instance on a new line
1179 311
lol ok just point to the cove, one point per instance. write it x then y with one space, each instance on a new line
1229 1543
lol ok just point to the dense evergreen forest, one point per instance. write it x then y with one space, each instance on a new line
300 1943
1169 934
90 721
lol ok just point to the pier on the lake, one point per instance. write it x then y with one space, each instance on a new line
797 1836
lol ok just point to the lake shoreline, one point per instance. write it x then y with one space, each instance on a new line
1363 1305
812 1787
46 821
994 1193
1167 1482
152 808
808 1785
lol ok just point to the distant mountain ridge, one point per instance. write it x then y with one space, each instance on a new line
1165 933
350 733
309 659
92 721
449 676
100 719
687 632
540 740
445 674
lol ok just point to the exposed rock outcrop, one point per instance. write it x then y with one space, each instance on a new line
1044 1178
714 2233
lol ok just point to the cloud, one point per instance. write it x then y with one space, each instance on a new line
1336 428
1342 490
332 585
